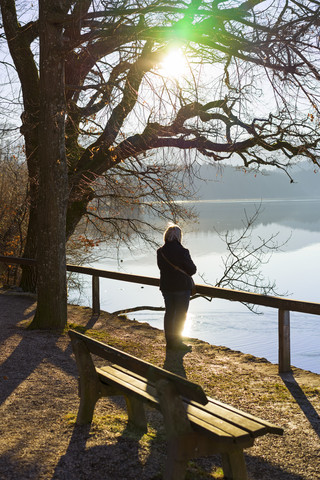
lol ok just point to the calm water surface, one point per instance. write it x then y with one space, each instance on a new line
295 269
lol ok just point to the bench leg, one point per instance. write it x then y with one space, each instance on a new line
234 466
136 412
88 382
176 462
178 430
88 400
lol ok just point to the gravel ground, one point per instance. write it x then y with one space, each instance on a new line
39 401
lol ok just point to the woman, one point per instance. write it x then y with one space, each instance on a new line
176 268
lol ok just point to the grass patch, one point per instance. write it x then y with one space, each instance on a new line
76 327
105 337
311 391
115 423
70 418
195 472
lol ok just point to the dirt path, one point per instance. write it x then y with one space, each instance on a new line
38 404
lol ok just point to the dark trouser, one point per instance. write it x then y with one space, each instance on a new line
176 304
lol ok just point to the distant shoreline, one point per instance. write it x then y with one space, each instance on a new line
249 200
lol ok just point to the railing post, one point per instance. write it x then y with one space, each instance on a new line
95 295
284 341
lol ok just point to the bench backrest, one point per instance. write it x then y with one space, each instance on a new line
191 390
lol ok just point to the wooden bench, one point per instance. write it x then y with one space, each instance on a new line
195 424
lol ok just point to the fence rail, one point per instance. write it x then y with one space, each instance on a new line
283 305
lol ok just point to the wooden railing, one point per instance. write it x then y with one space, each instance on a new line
283 305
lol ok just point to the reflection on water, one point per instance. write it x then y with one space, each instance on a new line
295 269
229 215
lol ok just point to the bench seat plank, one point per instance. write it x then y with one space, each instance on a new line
236 429
129 383
253 427
257 428
211 423
148 391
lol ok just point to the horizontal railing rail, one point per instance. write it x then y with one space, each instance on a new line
283 305
18 260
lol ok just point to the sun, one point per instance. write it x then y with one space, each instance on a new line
174 64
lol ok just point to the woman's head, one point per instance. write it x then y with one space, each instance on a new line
173 233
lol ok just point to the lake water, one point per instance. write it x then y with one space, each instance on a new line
295 268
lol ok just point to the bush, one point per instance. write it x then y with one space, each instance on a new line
13 213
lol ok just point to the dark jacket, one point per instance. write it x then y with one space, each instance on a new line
172 280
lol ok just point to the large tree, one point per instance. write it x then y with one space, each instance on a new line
96 100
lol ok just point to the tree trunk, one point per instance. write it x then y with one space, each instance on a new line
51 310
31 134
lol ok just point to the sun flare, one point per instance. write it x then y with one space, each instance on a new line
174 64
187 326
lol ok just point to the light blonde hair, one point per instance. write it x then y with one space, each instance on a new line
173 232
